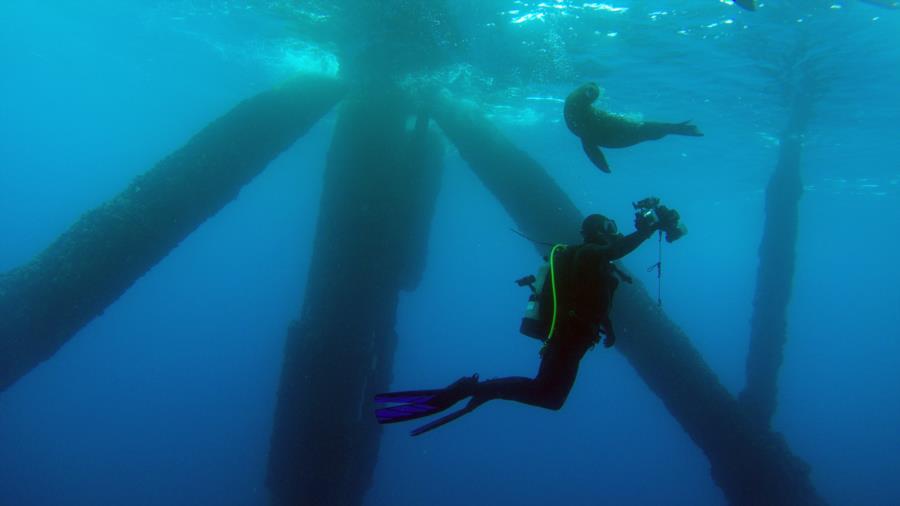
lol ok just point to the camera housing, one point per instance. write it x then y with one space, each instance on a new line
650 211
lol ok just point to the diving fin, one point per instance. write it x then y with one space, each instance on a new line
472 404
410 405
413 396
596 156
419 403
750 5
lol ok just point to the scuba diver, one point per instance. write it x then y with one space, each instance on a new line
597 128
568 310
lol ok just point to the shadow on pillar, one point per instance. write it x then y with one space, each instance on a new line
381 182
45 302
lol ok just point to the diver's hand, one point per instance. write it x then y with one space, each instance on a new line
609 341
646 222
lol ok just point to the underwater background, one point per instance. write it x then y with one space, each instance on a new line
168 397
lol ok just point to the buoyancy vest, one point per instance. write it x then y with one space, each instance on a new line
558 296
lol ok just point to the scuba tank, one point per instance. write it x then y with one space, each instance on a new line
532 323
551 296
539 320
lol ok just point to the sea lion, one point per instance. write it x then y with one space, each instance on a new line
598 128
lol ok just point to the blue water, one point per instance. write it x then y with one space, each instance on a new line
168 397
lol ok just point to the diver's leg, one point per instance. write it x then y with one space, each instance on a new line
549 389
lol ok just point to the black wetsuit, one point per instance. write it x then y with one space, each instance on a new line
591 285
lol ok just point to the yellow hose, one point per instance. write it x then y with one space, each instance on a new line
553 290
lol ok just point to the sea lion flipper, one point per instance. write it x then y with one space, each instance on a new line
596 156
686 128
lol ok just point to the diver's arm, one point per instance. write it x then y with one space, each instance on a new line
629 243
616 249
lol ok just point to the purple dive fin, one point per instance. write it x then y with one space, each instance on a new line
416 396
414 404
410 405
472 404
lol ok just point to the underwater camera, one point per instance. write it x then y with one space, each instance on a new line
649 211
